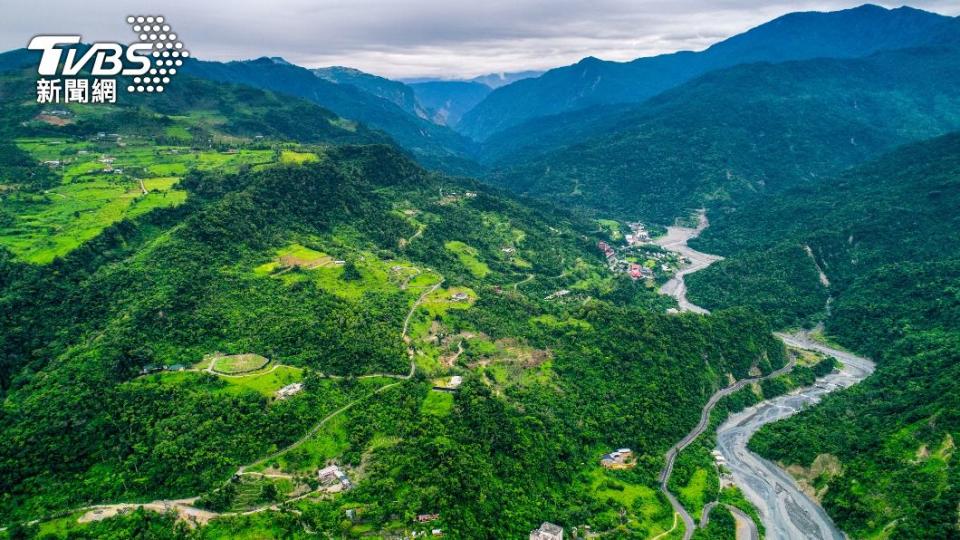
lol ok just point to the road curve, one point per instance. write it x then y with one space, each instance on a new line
786 512
746 528
671 455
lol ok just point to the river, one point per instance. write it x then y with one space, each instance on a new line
786 511
676 241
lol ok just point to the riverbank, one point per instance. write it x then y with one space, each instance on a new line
785 510
676 241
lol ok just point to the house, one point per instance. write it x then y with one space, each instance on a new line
460 297
333 477
547 531
52 163
557 294
635 272
150 368
437 532
175 367
508 250
621 458
426 518
289 390
451 385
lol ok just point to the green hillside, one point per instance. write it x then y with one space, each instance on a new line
731 133
127 353
885 234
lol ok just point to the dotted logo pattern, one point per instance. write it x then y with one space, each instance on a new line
167 55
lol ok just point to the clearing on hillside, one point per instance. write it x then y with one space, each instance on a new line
238 363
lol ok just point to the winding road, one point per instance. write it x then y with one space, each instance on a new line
701 427
786 511
185 507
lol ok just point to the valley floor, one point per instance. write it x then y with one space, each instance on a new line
786 510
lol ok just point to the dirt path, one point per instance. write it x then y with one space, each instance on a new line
192 514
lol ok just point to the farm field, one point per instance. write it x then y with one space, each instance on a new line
103 180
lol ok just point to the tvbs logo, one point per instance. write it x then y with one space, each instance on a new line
151 62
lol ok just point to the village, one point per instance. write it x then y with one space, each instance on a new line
639 257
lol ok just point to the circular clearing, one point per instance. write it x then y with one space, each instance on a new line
239 363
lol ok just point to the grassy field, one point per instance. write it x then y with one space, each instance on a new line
437 403
100 185
290 156
645 510
239 363
468 257
268 383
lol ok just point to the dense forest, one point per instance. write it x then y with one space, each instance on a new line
82 424
732 133
885 235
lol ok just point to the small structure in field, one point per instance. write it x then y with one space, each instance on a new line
558 294
547 531
451 385
460 297
333 478
289 390
622 458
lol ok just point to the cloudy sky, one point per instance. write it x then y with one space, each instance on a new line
414 38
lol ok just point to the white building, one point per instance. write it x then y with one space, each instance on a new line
547 531
289 390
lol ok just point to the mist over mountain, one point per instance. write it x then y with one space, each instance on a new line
842 34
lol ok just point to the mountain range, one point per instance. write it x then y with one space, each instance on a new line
270 302
796 36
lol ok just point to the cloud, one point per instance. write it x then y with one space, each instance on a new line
409 38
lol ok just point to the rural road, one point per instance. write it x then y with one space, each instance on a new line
786 511
746 528
671 455
676 241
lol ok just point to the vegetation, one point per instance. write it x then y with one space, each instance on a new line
884 234
754 128
247 264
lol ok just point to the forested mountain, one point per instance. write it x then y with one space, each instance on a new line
886 236
436 146
164 276
395 92
748 129
447 101
796 36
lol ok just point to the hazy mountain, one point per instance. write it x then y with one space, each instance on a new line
395 92
435 146
447 101
751 128
493 80
841 34
496 80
